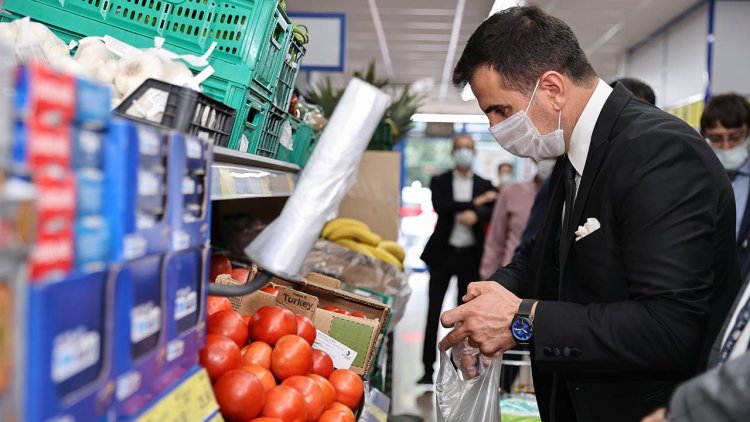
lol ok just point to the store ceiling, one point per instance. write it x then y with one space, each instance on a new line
418 36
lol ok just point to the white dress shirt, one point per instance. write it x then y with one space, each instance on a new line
740 347
580 139
463 188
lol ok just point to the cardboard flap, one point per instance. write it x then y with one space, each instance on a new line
297 302
323 280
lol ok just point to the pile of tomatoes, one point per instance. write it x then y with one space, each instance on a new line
264 369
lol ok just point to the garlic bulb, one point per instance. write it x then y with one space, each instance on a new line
68 65
93 55
176 72
133 71
8 33
106 72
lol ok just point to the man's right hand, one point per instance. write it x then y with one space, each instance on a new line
485 198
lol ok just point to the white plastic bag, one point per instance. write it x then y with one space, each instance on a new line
460 399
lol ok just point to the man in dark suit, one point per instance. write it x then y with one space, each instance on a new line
622 291
462 201
725 123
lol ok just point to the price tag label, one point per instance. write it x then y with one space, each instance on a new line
226 182
191 400
290 182
342 356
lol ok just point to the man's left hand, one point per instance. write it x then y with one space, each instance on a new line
484 319
468 218
659 416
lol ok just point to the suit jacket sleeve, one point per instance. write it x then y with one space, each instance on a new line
494 244
718 395
442 202
665 209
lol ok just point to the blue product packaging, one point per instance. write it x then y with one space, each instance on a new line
91 240
193 157
93 104
140 193
87 149
70 350
139 332
89 192
186 274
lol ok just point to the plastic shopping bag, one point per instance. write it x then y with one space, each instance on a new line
464 399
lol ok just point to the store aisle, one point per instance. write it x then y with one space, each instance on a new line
408 397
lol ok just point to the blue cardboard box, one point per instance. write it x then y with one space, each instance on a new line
70 347
193 157
93 104
140 189
186 274
139 332
91 240
88 151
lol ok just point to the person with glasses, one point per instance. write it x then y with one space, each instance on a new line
724 124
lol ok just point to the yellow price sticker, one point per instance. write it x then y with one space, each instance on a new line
193 400
377 413
226 181
265 183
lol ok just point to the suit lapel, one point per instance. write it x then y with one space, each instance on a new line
614 105
744 226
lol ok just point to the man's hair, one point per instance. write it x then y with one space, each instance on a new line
640 89
521 43
461 136
501 165
731 110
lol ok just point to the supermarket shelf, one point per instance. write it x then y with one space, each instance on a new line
237 175
192 398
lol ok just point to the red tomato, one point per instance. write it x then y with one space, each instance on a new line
257 353
240 395
271 289
219 355
338 407
218 303
264 375
336 416
329 393
341 311
331 308
359 315
349 387
265 419
306 329
219 265
322 363
291 356
229 324
240 274
246 318
310 392
285 403
270 323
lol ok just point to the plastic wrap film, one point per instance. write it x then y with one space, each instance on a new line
359 270
464 399
283 246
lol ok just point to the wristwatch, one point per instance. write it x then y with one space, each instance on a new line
522 327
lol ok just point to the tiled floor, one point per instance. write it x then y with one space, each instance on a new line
408 398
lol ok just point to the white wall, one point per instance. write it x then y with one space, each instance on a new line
731 62
674 62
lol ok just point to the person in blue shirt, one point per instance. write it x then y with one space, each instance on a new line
724 124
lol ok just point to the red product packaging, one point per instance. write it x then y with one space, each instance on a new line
51 256
45 96
47 145
56 203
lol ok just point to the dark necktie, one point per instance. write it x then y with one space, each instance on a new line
733 174
736 331
569 181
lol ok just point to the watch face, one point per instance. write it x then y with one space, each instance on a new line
522 329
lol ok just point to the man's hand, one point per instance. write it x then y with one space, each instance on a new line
485 319
468 218
659 416
485 198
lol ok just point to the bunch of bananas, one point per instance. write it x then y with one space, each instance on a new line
356 236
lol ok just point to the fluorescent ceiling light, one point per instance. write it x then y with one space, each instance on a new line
450 118
467 94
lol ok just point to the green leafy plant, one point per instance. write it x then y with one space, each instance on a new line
369 76
400 112
326 96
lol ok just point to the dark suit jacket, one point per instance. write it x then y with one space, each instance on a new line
743 241
536 217
437 248
634 307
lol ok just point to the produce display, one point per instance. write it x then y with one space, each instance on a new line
357 236
267 368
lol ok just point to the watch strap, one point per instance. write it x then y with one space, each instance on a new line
524 310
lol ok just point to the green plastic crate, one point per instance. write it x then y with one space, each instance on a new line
307 153
382 139
288 76
267 144
269 63
301 135
253 114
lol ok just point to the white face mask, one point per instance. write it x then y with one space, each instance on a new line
463 157
544 168
518 135
732 159
505 179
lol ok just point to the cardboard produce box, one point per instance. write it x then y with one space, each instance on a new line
308 298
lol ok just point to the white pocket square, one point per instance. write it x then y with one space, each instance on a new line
592 225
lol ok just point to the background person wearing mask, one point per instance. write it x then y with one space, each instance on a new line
629 280
505 174
724 123
509 219
463 203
